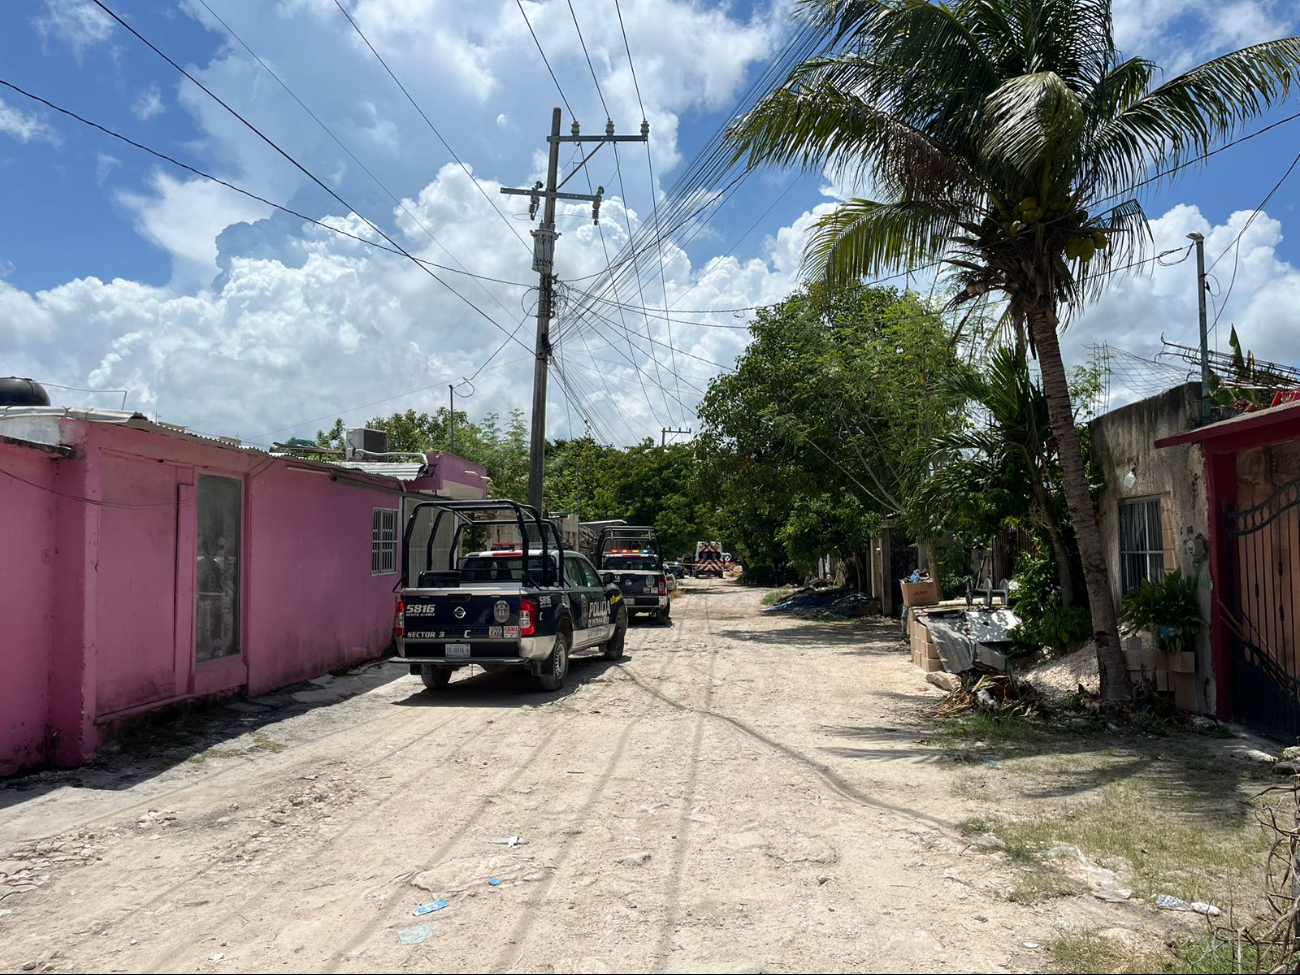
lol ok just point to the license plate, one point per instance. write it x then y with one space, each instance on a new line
458 650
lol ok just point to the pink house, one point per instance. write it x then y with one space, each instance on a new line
144 566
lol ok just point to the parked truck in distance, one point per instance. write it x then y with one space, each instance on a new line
630 558
530 605
708 560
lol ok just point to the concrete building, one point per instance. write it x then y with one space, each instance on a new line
146 566
1154 518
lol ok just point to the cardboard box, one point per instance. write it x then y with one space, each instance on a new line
929 651
923 593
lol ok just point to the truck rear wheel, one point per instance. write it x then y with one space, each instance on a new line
435 678
556 668
614 646
665 616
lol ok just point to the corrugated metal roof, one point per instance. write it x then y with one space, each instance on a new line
402 470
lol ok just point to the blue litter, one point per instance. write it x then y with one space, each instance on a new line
494 882
416 936
437 905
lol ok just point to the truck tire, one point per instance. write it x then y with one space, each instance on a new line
614 646
556 668
435 678
665 616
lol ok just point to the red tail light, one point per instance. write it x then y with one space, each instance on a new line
527 616
399 619
663 585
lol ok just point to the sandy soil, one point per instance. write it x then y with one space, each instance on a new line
742 793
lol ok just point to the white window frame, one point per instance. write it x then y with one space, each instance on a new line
383 541
1142 546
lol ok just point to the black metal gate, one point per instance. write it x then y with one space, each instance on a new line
1259 605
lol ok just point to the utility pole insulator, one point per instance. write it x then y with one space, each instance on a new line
595 205
576 129
645 129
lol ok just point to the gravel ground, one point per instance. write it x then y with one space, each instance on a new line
742 793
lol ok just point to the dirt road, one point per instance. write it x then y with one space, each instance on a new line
742 793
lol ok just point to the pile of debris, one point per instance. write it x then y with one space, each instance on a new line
837 601
996 693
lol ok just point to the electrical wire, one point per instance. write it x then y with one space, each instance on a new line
352 155
429 122
171 160
587 55
297 165
547 60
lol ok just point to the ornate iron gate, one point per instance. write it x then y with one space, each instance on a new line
1260 605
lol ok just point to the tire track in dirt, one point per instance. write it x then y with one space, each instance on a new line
378 917
832 779
673 890
313 848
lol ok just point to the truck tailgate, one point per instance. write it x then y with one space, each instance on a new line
458 615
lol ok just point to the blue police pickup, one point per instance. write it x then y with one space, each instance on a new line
630 558
535 604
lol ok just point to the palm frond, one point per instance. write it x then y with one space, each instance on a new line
1029 119
818 124
1188 115
862 238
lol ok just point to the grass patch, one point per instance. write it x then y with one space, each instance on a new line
775 596
987 728
1039 884
1170 843
1087 952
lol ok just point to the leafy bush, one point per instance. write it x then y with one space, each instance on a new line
1036 598
1166 608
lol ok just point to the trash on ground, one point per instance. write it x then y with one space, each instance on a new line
1168 902
1103 882
432 906
494 882
417 935
993 692
837 601
511 842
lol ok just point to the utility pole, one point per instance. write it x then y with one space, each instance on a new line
544 263
664 431
451 388
1205 339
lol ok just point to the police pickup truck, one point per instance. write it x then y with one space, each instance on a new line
533 605
629 557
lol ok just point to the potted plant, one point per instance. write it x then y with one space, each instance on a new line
1167 609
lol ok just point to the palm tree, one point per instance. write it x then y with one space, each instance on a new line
1014 446
995 133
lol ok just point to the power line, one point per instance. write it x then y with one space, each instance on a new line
545 59
297 165
247 193
587 55
330 132
446 145
1236 244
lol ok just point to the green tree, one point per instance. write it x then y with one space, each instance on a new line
995 133
836 397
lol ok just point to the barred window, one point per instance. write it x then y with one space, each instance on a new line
1141 542
383 542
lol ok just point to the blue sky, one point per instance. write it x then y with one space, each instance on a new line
120 272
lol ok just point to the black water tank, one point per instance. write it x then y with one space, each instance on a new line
22 392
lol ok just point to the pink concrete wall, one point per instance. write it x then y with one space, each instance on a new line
98 581
27 585
313 605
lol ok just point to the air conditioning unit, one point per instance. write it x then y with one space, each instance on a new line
364 439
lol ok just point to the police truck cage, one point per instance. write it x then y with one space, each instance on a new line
539 566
